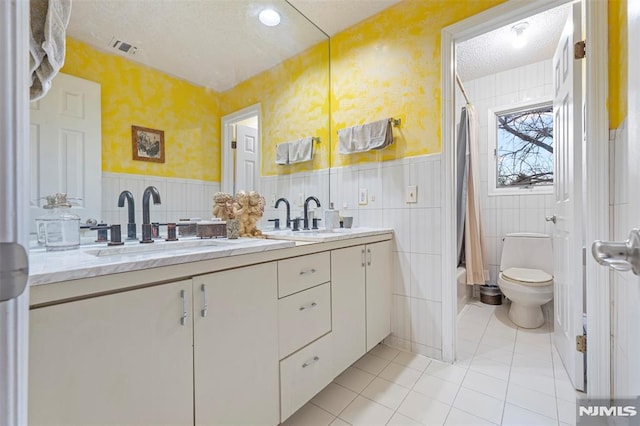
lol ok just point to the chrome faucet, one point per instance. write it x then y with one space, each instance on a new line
305 219
131 225
147 233
286 203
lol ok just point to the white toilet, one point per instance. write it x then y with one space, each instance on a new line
526 277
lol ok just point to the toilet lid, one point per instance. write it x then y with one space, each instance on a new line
534 277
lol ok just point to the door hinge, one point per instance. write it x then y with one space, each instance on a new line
580 49
581 343
234 144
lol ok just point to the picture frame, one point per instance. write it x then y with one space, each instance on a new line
147 144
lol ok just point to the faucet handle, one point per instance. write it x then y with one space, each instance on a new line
296 224
315 221
116 236
276 223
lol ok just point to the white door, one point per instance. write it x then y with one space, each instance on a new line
567 238
378 292
247 155
66 146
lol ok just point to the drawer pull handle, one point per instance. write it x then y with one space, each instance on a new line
183 320
313 361
205 307
308 271
312 305
369 253
363 257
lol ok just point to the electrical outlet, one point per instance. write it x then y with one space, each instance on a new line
363 196
412 194
345 205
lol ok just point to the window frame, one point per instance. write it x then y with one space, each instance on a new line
492 145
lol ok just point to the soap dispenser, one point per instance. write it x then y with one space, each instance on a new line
331 218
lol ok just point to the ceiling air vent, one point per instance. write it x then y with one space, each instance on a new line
123 46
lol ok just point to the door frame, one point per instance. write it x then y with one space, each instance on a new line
228 121
595 166
14 190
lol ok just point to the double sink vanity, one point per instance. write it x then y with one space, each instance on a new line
204 332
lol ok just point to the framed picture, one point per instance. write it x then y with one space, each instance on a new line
148 144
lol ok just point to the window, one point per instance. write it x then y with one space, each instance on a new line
521 148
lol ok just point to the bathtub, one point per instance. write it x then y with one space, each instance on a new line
464 290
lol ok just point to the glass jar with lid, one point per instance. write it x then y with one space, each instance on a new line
59 227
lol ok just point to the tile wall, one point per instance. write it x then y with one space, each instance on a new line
416 320
625 292
181 198
504 214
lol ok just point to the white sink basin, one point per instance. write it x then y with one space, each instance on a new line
318 235
159 245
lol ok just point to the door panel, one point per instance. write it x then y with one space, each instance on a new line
66 146
246 158
568 269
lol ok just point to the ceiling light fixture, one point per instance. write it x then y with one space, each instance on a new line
269 17
519 39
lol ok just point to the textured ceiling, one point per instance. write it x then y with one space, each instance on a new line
333 16
213 43
493 52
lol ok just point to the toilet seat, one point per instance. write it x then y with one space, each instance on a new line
528 277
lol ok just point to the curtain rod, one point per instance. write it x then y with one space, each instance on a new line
464 93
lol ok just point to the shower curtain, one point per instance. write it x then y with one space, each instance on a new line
470 235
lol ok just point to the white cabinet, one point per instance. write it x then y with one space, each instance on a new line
124 359
361 300
378 278
236 347
348 306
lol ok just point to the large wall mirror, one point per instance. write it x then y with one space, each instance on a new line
180 67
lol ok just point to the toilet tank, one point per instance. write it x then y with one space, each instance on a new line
532 251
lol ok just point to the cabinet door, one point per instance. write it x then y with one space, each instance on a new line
348 306
378 292
236 347
122 359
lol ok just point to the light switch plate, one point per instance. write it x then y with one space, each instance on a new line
363 196
412 194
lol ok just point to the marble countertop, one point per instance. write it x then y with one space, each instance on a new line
96 260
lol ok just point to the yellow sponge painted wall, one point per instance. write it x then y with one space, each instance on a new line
389 66
618 51
133 94
294 96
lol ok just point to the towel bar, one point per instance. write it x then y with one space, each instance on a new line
395 121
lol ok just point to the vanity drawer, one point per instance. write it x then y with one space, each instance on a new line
301 273
303 317
304 374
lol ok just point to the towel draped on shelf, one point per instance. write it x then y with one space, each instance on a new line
365 137
297 151
301 150
282 153
49 20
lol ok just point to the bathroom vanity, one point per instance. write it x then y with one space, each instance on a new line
237 332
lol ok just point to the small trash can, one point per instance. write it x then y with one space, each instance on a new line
490 295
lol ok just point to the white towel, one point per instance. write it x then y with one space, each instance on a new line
282 153
49 20
366 137
301 150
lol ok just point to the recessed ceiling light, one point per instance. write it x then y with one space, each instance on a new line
269 17
519 39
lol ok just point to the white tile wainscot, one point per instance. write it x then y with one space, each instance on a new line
416 283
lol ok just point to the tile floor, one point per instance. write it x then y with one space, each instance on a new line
505 375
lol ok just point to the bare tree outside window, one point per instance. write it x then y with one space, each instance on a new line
524 154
